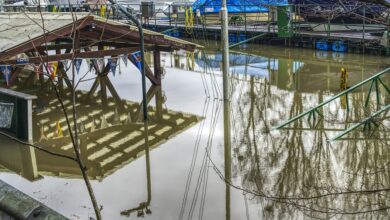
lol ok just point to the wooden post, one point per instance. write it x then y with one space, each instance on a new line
159 103
103 86
157 66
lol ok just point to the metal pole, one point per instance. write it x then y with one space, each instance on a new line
227 156
225 50
364 27
226 97
169 15
141 36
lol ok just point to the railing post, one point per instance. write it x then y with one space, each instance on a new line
364 27
245 17
169 15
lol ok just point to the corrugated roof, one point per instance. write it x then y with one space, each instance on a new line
19 28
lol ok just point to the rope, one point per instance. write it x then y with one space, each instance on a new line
189 20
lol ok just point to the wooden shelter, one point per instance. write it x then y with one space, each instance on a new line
39 38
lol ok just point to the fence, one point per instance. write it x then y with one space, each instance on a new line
367 25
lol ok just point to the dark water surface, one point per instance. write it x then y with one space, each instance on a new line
184 175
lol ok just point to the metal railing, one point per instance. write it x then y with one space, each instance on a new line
374 81
304 19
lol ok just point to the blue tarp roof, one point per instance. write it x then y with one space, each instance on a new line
236 6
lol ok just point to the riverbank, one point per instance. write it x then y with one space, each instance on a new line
16 205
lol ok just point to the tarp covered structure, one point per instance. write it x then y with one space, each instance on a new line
237 6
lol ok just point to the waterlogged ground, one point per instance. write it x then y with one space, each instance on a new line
275 174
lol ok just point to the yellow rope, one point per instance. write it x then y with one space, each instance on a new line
103 9
189 19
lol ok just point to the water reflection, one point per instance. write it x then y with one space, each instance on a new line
298 162
227 154
288 69
309 175
110 137
269 86
144 207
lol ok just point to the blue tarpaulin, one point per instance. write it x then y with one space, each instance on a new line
236 6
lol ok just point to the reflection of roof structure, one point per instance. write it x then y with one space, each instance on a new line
109 139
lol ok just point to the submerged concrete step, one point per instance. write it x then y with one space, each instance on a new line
17 205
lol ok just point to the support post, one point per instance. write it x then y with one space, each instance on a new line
157 66
226 97
159 103
225 50
227 155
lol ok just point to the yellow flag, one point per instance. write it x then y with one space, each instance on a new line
59 130
103 11
53 69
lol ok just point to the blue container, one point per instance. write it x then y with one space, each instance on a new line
339 46
232 38
322 45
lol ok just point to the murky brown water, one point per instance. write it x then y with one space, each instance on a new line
178 180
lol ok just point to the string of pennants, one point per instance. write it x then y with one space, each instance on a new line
52 67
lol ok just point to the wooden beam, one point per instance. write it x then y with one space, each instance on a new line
84 44
159 103
156 38
149 95
111 88
148 72
64 76
103 87
93 88
157 66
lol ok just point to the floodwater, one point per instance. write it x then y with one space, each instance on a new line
181 169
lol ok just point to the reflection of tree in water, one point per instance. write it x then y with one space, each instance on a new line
310 175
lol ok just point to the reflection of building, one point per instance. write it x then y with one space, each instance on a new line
110 137
296 70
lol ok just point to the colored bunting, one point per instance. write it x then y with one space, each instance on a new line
53 66
124 58
112 63
136 56
77 63
6 70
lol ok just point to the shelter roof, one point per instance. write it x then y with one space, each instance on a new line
22 32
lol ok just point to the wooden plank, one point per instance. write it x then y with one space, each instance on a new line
156 38
148 72
93 88
111 88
